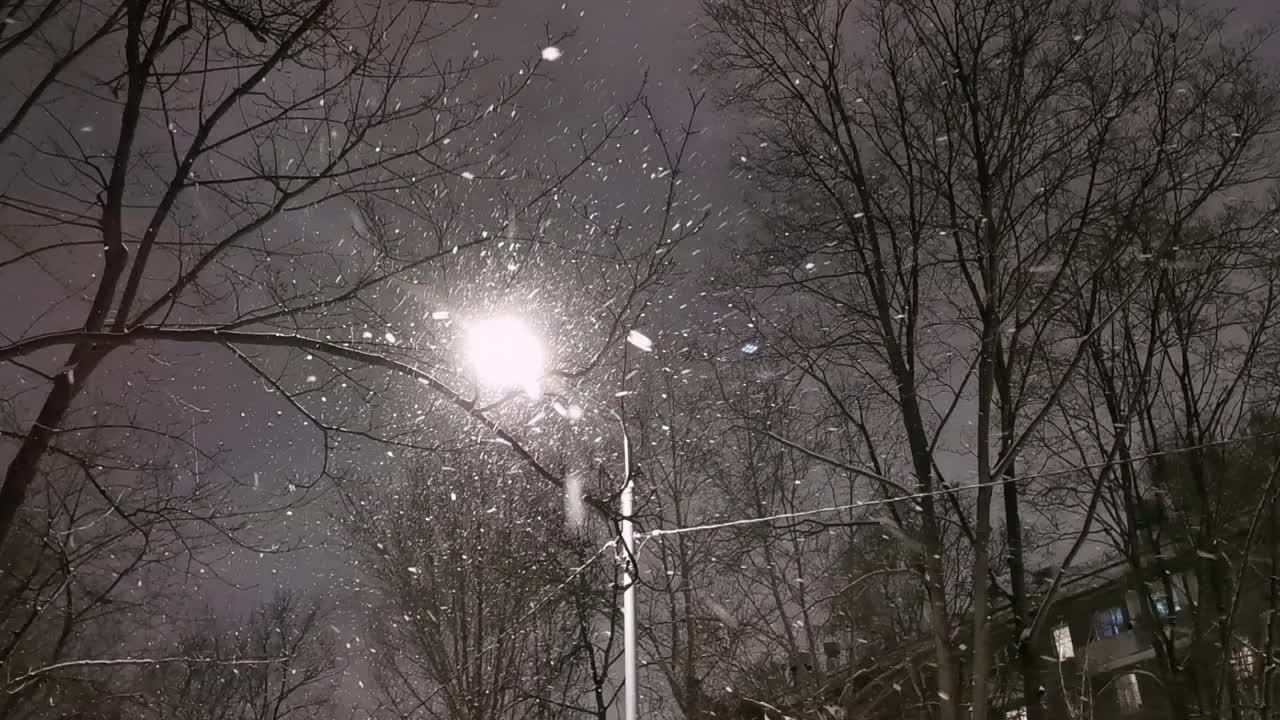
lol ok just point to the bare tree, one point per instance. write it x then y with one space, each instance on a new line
320 194
938 189
104 549
277 662
686 610
594 599
485 613
831 563
1174 400
280 662
204 152
783 568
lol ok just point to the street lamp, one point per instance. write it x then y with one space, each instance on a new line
505 354
628 583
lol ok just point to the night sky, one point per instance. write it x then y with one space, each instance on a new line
615 43
613 46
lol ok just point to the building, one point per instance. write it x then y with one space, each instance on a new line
1104 649
1100 651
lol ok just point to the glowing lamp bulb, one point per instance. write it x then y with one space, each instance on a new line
505 354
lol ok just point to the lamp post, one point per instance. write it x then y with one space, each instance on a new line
628 585
506 354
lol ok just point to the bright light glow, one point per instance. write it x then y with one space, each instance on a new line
505 354
1062 642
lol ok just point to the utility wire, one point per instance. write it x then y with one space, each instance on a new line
519 625
941 491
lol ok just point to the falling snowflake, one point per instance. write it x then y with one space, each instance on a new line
640 340
551 53
722 614
574 509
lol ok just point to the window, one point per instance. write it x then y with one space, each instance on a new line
1243 659
1166 606
1128 695
1110 623
1062 642
1018 713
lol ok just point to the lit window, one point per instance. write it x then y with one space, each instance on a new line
1110 623
1062 641
1166 605
1128 696
1018 713
1243 659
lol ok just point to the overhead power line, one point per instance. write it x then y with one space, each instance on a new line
521 626
907 497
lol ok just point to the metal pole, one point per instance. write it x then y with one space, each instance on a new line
628 584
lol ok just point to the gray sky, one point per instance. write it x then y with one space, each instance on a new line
614 44
616 41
